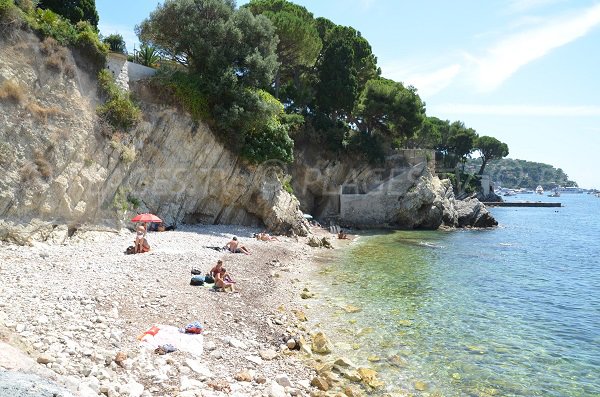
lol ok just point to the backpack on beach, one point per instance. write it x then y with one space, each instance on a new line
197 280
209 279
130 250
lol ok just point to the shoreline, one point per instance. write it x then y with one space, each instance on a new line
75 307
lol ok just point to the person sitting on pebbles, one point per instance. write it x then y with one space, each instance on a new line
223 281
216 269
140 239
235 247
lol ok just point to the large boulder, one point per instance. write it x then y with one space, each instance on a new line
427 205
431 203
472 212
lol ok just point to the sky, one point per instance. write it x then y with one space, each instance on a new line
522 71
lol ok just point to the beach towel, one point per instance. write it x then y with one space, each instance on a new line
216 248
170 335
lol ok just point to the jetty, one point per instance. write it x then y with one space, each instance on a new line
520 204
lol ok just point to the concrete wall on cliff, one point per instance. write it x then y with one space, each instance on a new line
61 170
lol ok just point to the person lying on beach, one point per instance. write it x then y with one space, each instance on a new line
265 237
221 281
235 247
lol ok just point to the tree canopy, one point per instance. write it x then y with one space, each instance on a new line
230 59
115 43
388 108
490 149
74 10
214 40
239 63
299 42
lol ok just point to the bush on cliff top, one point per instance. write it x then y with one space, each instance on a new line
81 37
118 109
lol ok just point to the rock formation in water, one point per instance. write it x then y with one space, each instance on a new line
430 203
60 170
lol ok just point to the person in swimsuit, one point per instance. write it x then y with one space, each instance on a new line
140 238
216 269
221 281
235 247
266 237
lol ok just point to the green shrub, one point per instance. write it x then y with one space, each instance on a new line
186 90
134 201
115 43
49 24
89 45
368 146
249 122
11 17
127 154
271 142
119 201
118 109
287 185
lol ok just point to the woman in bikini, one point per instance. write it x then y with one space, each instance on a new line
140 238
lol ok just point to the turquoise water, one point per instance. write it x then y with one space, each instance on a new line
512 311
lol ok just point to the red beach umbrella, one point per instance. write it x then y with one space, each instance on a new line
150 218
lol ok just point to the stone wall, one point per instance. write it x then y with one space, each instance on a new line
126 72
138 72
117 65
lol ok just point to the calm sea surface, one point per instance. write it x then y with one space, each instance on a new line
513 311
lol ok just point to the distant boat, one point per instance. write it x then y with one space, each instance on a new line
571 189
510 193
539 190
555 193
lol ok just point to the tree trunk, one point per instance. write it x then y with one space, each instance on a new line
483 164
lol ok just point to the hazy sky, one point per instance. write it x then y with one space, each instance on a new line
523 71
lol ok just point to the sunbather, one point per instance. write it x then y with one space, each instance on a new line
235 247
140 237
221 282
265 237
216 269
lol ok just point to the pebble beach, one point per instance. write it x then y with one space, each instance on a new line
75 311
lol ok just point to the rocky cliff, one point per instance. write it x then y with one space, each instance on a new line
61 170
401 193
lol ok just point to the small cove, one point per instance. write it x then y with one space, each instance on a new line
510 311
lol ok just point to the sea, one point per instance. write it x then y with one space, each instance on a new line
508 311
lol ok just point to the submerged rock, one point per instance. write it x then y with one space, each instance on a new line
321 344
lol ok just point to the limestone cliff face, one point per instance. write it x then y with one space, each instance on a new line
60 170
